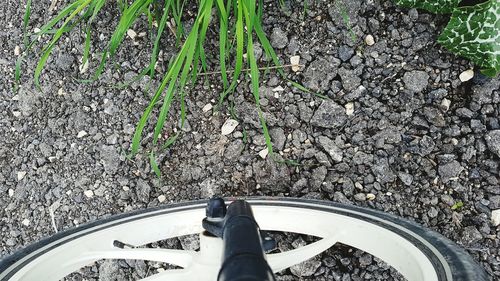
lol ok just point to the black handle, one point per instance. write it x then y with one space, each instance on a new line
243 257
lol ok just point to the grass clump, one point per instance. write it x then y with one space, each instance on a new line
240 26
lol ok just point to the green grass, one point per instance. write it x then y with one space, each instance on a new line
240 25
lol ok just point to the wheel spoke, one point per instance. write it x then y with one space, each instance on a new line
176 257
169 275
284 260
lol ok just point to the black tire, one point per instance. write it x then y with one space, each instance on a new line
457 265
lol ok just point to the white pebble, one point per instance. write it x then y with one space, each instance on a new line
466 75
11 192
278 89
229 126
81 134
445 104
17 51
263 153
26 222
370 196
125 188
132 34
162 198
207 107
349 108
16 113
495 217
369 40
294 61
89 193
20 175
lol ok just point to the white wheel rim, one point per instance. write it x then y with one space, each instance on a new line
79 250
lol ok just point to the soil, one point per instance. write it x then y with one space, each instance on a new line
398 132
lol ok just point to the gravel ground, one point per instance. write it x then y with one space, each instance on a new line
399 133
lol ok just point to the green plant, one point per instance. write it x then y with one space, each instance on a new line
239 27
472 32
457 206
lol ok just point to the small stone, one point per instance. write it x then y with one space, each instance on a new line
445 104
416 81
383 172
360 197
450 170
131 33
358 185
464 112
229 126
142 190
26 222
10 242
294 61
345 53
89 193
466 75
11 192
162 198
320 72
370 196
406 178
494 202
434 116
207 107
81 134
349 108
16 113
125 188
263 153
306 268
369 40
20 175
470 235
432 213
495 217
278 89
493 141
279 38
329 115
318 177
331 148
17 51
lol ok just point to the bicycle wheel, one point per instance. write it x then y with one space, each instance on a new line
417 253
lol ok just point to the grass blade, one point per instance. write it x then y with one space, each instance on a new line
26 19
249 8
161 28
50 46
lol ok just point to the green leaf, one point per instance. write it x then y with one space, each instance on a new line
26 20
457 205
474 33
154 164
434 6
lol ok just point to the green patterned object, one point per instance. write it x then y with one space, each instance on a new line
434 6
473 32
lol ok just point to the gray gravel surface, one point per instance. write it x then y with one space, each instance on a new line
416 138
